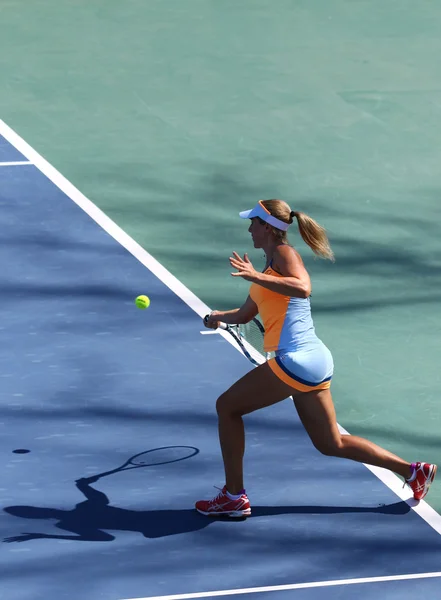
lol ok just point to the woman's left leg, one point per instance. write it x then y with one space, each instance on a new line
257 389
317 413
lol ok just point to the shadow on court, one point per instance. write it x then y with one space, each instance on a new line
379 239
90 520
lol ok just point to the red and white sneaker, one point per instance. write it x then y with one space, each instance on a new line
223 505
421 478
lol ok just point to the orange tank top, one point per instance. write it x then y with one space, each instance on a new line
287 321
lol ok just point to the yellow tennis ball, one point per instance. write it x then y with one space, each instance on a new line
142 302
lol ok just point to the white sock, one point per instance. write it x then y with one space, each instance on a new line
234 496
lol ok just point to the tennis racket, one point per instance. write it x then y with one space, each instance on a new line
249 337
151 458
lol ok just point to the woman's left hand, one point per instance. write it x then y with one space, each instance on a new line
244 267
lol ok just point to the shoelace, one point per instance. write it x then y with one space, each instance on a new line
220 494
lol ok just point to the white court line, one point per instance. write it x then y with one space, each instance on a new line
293 586
15 163
391 480
104 221
109 226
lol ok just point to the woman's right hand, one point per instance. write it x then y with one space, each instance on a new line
210 321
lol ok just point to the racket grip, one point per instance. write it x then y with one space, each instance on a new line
221 325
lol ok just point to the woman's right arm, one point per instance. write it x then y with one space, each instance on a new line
237 316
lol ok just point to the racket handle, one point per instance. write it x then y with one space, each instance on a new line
221 325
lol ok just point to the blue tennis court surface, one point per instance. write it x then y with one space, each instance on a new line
88 380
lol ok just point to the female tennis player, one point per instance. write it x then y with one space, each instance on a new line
302 366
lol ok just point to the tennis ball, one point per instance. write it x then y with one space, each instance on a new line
142 302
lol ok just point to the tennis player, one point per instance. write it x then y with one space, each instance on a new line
302 366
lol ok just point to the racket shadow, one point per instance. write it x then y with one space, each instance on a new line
89 520
154 457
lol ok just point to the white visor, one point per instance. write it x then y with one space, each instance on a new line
260 211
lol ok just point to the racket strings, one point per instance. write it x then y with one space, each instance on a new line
253 335
162 456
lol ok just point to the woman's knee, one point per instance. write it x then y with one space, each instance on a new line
222 405
329 446
225 406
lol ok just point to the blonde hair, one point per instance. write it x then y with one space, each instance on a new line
312 233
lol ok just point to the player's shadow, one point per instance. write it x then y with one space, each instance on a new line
91 519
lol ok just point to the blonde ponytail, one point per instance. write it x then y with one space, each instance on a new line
314 235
